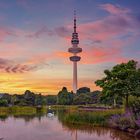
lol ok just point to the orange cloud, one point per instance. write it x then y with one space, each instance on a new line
62 54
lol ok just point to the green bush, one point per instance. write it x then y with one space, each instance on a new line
3 102
134 105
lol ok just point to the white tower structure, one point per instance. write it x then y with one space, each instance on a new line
75 50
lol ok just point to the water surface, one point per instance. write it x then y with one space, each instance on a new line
41 127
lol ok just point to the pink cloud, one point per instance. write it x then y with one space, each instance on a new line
118 23
114 9
107 28
101 55
105 33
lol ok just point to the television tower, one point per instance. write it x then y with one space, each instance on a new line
75 50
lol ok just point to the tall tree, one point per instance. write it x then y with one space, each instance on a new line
64 97
122 80
83 90
29 97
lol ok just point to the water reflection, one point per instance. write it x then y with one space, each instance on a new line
40 127
98 131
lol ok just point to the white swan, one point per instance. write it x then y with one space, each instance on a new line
50 114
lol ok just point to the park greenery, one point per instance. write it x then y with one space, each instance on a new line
64 97
27 99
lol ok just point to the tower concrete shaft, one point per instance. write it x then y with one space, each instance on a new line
74 76
75 50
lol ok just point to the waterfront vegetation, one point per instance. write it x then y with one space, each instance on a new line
95 118
20 110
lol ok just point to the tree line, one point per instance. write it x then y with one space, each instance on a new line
120 83
27 99
64 97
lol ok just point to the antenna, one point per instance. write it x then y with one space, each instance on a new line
74 21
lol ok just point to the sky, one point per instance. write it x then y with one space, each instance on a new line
35 36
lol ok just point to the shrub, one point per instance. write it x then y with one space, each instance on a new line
138 122
134 105
3 102
122 121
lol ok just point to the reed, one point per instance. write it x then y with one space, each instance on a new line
96 118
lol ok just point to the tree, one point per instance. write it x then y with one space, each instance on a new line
29 97
3 102
83 90
51 99
39 100
7 97
122 80
82 99
95 97
64 97
18 100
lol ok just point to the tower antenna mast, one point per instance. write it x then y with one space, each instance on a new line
75 50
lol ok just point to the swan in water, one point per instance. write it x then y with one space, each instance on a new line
50 114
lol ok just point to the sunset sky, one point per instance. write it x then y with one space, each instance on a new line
35 36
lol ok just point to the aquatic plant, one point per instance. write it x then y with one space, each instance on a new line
92 118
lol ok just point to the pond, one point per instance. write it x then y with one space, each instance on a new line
42 127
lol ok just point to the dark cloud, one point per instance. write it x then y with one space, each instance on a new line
11 67
62 31
4 61
96 41
59 31
42 31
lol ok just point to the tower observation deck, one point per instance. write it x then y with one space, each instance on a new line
75 50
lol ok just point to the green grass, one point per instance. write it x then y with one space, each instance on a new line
96 118
20 110
4 111
69 107
71 115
